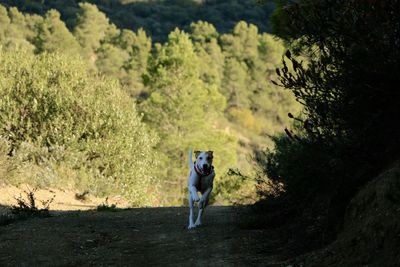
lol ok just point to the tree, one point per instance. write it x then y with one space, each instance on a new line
110 60
235 83
90 29
205 41
249 65
15 29
110 57
242 44
182 110
349 90
53 36
4 21
138 46
268 101
68 127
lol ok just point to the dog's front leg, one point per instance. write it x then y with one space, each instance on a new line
202 204
193 193
191 224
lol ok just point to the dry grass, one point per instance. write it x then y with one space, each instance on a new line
63 199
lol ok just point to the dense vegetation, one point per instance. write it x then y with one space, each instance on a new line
61 126
107 96
199 89
349 89
158 17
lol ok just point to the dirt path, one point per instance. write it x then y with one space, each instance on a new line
137 237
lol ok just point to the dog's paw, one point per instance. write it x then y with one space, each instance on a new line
197 223
191 226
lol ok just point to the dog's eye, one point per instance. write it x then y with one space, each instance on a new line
208 158
201 158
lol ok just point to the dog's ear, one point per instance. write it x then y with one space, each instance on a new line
210 153
197 153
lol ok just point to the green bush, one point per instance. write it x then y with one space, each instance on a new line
64 126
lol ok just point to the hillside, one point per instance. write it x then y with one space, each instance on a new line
159 17
371 230
211 89
103 99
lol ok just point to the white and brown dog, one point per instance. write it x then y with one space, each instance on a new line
201 179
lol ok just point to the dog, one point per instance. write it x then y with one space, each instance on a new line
200 179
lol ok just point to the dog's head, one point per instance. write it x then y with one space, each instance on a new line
204 160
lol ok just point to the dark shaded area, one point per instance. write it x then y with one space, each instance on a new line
371 228
157 17
348 86
140 237
299 231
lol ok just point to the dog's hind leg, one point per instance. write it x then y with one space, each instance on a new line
191 224
198 220
202 205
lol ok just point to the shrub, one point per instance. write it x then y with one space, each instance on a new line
348 88
27 207
73 127
105 206
234 188
303 168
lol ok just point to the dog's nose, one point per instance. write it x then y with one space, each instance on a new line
205 166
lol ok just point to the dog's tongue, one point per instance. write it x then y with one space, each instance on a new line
199 169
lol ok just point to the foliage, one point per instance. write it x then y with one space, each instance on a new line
66 124
201 89
90 29
249 62
6 169
305 169
28 206
138 46
107 207
159 17
348 88
244 118
53 36
205 41
182 109
15 30
235 188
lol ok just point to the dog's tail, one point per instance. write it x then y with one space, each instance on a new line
190 159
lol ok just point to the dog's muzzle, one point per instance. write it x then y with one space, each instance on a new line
204 171
206 167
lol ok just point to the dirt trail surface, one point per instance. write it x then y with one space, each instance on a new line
137 237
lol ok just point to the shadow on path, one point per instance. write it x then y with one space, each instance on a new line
137 237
